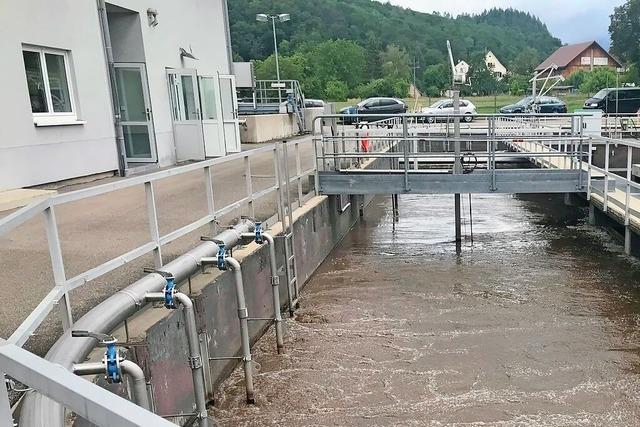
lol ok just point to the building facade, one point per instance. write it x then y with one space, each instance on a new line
579 57
495 66
92 87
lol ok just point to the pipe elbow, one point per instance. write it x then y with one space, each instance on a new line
233 263
133 370
184 300
268 237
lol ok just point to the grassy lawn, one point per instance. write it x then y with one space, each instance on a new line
484 104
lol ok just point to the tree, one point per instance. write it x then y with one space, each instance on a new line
518 84
577 78
336 91
483 82
291 67
625 32
395 63
525 62
436 78
597 79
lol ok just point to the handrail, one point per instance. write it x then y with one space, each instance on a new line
46 207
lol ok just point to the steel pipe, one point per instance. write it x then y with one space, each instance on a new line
244 327
275 288
138 382
40 411
243 316
195 358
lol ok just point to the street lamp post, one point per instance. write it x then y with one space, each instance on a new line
282 17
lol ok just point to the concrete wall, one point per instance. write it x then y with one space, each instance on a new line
318 228
267 127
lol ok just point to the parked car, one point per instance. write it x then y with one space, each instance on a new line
390 106
444 107
313 103
545 104
623 100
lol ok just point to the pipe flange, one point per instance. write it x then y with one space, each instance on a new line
111 362
243 313
275 280
169 293
259 239
222 255
195 362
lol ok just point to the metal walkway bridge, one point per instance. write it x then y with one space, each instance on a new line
498 154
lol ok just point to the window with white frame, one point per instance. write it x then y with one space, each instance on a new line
48 82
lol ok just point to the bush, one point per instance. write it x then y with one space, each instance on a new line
597 79
336 91
383 87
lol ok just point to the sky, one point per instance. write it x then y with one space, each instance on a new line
572 21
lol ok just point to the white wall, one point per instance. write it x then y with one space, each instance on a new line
495 65
196 25
32 155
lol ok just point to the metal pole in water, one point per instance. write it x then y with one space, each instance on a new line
457 166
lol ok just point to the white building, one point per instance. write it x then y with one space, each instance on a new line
171 71
494 65
462 68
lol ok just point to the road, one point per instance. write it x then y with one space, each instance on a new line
98 229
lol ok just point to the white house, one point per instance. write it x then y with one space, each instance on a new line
493 64
462 68
167 95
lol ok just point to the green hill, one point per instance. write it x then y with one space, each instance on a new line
374 25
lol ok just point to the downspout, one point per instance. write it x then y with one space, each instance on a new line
223 262
195 359
227 34
132 370
275 284
41 411
108 51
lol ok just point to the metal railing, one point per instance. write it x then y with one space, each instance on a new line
58 295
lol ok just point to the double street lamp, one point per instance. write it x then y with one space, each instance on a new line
282 17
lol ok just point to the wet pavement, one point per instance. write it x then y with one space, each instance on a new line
535 323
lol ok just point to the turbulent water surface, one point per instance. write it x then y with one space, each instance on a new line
534 323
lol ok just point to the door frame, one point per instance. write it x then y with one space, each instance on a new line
219 117
149 112
174 86
235 120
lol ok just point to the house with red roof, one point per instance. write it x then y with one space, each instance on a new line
581 56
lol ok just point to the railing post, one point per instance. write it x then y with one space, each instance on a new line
298 172
208 185
57 265
152 216
589 160
606 176
6 417
249 186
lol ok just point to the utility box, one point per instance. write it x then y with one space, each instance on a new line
245 76
591 122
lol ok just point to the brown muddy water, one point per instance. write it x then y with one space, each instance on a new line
535 323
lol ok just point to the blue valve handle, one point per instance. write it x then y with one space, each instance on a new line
258 231
169 291
222 263
113 367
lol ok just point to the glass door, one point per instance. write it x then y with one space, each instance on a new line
211 122
185 111
230 112
135 113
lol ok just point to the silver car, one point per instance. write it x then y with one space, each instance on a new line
444 107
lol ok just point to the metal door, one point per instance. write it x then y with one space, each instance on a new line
212 128
135 113
230 121
185 112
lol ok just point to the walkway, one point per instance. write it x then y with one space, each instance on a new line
95 230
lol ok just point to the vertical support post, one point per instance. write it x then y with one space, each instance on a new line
457 165
6 417
276 170
298 173
316 175
249 186
57 265
589 160
405 146
592 214
627 229
211 208
152 216
606 176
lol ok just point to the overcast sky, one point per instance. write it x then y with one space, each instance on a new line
572 21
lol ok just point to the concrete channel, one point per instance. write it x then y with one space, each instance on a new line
534 323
